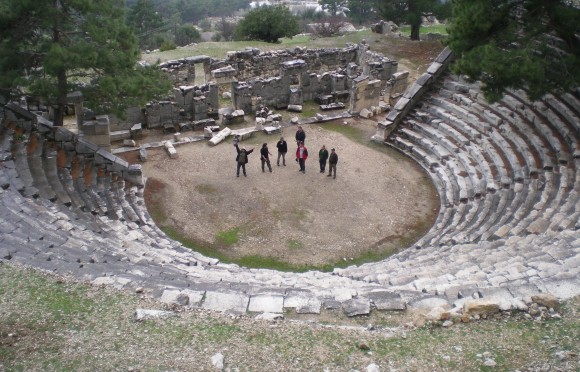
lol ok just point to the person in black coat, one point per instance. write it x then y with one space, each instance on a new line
300 136
282 147
242 158
265 157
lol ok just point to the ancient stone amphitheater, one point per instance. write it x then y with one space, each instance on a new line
508 176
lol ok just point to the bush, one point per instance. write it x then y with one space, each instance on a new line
167 45
205 25
186 34
268 23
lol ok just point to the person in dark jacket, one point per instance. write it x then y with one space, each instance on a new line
265 157
322 157
282 147
332 161
242 158
301 156
300 135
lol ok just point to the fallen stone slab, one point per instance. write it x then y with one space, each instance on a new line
226 301
171 151
144 314
387 301
564 289
143 154
502 296
266 303
356 306
272 129
480 307
294 108
220 136
303 304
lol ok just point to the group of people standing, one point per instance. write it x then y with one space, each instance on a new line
282 146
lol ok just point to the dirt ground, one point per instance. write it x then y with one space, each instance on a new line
379 201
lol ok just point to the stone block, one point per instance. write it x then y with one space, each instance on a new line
226 301
266 303
387 301
356 306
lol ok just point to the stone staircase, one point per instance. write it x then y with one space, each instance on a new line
508 177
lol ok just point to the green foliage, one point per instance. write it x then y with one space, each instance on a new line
226 29
530 44
205 25
49 49
268 23
196 10
333 6
145 21
362 10
186 34
411 12
228 237
167 45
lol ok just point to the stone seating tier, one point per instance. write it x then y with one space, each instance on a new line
508 182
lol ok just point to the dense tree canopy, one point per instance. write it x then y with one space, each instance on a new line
268 23
362 10
412 12
145 20
50 48
333 6
514 44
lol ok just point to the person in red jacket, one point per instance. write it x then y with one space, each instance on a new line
301 156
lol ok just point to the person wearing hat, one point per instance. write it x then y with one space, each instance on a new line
322 157
332 161
242 158
282 147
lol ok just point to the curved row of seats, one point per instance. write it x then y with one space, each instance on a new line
502 169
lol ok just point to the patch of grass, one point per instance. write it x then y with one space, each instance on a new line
309 109
434 29
228 237
349 131
299 214
113 341
270 263
220 49
294 244
205 189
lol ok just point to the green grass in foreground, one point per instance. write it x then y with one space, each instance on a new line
57 325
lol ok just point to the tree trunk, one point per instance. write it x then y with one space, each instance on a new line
415 32
61 93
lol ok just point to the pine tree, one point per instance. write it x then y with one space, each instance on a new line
412 12
531 44
333 6
49 48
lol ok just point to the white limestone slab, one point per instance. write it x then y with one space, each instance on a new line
266 304
224 301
